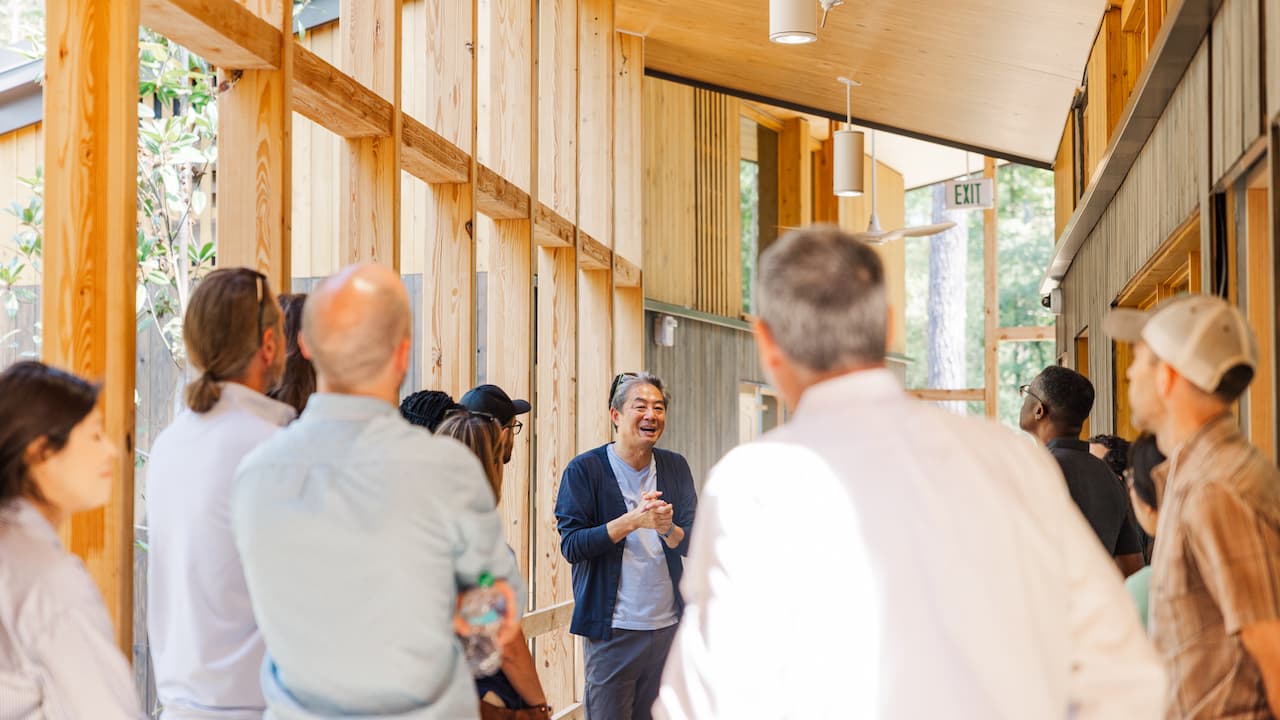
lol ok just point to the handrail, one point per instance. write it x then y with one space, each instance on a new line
541 622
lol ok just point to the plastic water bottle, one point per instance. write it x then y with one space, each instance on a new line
483 609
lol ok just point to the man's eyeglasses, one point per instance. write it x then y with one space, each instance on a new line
617 382
1025 390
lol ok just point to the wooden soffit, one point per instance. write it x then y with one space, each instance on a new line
994 77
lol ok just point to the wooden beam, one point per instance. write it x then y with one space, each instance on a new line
1027 334
544 621
625 273
223 32
369 174
628 327
550 229
761 117
336 101
935 395
255 124
557 105
593 254
498 197
990 294
90 256
429 157
795 174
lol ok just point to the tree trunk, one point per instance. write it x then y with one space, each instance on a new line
948 263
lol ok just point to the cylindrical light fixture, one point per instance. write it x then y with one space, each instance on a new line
793 22
846 150
847 155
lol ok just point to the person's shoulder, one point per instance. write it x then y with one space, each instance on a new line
589 461
43 582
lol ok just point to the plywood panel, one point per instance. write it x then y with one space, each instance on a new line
313 208
628 330
504 75
90 256
669 200
508 342
447 318
628 153
557 353
557 105
595 357
437 42
595 119
1106 89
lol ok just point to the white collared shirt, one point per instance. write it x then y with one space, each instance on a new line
877 557
58 655
205 645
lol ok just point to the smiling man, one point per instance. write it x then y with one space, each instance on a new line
624 513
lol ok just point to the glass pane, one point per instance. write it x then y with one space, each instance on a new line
1019 364
944 284
972 408
749 203
21 230
1025 242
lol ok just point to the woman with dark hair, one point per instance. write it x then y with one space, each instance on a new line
298 383
514 691
58 655
428 408
1144 456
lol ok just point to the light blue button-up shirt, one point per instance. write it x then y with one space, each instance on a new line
357 531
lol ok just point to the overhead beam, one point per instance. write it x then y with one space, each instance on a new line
336 101
223 32
498 197
429 157
550 229
625 273
593 254
1027 334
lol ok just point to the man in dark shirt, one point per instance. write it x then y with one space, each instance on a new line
1055 407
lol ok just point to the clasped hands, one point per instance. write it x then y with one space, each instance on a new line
652 513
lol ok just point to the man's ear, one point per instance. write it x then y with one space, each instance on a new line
770 355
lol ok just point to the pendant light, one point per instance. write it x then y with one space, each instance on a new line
793 22
846 149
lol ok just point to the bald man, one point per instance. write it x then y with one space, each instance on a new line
357 529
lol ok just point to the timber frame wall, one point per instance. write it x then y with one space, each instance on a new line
511 126
1221 126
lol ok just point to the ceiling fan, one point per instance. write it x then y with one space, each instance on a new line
873 235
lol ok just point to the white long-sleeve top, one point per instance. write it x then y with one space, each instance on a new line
876 557
205 644
58 655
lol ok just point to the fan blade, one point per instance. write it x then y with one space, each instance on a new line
926 230
878 237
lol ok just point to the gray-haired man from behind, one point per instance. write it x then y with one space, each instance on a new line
877 557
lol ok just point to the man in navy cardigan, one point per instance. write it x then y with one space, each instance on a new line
624 512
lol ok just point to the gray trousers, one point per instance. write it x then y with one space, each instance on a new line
624 673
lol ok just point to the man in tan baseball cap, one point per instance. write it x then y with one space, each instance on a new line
1215 593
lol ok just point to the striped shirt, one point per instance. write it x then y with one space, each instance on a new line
58 655
1216 570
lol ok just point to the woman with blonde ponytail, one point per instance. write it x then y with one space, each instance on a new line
205 644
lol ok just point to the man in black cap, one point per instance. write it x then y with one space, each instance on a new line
493 400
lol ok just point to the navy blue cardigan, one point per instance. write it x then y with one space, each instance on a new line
589 498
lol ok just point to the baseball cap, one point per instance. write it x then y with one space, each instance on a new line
1200 336
492 400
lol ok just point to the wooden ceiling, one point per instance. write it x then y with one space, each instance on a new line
993 75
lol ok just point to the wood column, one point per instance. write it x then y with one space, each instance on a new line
628 208
369 176
255 124
991 294
795 174
90 255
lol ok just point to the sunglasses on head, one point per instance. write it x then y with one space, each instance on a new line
617 382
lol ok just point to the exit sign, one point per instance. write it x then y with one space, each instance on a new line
970 194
